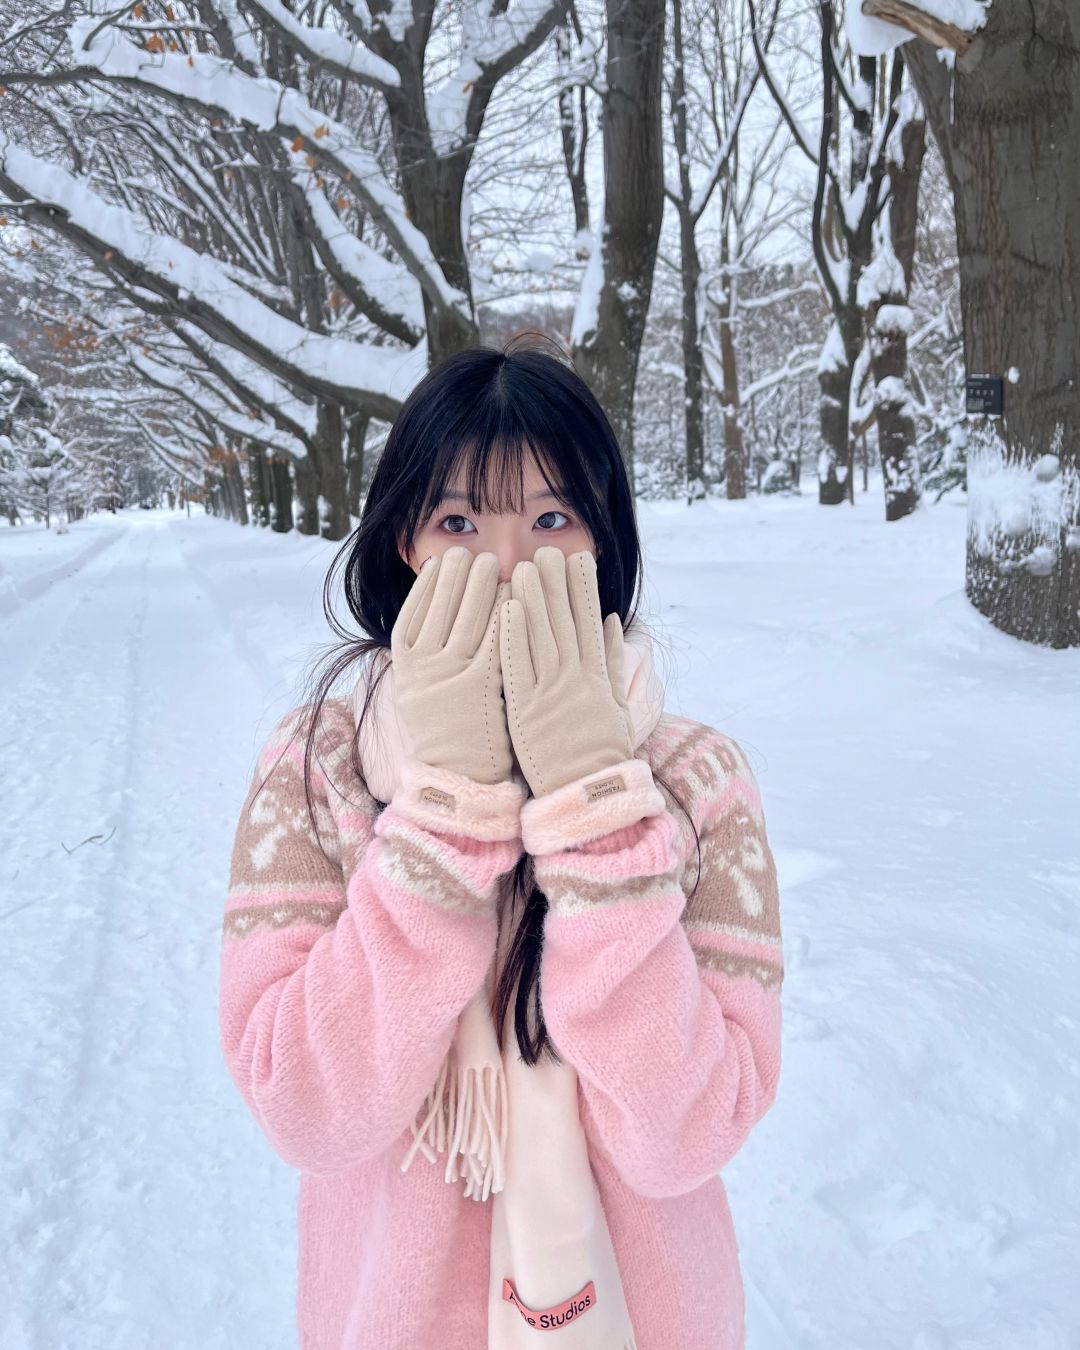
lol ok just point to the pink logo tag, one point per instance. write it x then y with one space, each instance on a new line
551 1319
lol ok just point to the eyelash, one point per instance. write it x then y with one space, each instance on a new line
456 515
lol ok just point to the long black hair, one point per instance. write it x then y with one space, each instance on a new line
491 409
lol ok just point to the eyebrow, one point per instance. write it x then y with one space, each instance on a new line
464 497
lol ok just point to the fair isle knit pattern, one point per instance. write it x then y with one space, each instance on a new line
344 969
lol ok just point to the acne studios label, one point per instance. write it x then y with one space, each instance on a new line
561 1315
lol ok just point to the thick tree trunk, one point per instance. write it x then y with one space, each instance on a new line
1008 124
607 356
307 494
330 471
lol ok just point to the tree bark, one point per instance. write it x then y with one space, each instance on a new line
888 331
281 514
334 522
608 355
259 475
574 130
690 276
829 227
1008 124
836 461
307 493
734 447
357 436
234 484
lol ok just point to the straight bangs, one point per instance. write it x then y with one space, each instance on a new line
491 445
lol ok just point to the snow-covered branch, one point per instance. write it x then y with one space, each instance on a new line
380 288
209 84
192 386
200 289
332 49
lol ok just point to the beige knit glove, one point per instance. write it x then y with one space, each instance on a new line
562 672
447 674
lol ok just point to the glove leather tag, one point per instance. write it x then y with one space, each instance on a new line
437 797
605 787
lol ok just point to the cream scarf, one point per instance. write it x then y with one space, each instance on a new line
514 1131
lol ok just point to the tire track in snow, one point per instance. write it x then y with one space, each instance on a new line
34 586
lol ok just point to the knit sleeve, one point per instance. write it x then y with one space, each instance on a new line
346 958
667 1006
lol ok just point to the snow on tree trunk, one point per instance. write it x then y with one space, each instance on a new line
843 236
838 357
884 290
1007 119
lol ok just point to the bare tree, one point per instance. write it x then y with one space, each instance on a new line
859 113
710 90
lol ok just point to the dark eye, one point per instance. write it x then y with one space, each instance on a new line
454 530
547 516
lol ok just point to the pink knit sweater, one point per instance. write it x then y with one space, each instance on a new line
342 978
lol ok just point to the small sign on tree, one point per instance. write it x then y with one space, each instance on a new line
985 394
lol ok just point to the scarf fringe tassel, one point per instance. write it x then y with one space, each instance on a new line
468 1107
468 1102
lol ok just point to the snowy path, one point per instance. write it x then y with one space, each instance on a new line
136 1203
915 1186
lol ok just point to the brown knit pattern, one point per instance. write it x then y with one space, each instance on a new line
732 920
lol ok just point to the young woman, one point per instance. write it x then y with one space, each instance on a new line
495 917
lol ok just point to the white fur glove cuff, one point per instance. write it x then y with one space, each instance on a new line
450 803
590 807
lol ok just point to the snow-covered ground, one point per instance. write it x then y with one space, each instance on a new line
32 558
916 1185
